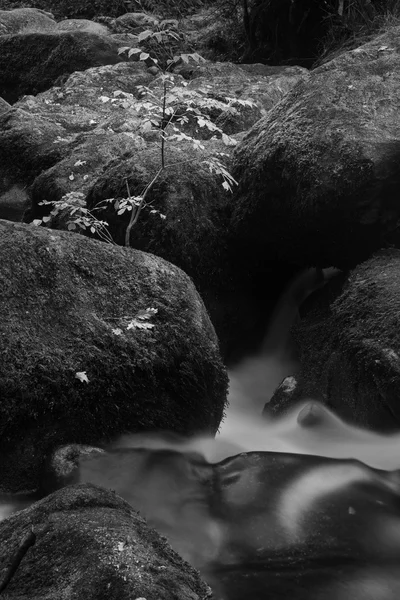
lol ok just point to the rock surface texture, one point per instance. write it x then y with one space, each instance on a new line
319 175
73 306
91 545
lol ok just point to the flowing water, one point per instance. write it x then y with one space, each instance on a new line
166 478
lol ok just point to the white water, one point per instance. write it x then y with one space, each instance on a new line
309 429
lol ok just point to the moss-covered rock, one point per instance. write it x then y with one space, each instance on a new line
25 20
350 348
319 176
104 142
32 62
91 545
28 145
70 305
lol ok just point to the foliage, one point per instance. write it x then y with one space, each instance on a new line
355 22
168 114
90 9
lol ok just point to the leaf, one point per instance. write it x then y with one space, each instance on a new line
145 35
123 49
81 375
144 56
228 140
147 313
133 51
104 99
71 177
117 331
46 219
71 226
135 324
37 222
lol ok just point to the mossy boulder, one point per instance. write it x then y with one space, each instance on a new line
32 62
319 176
349 347
73 306
25 20
89 544
104 143
28 145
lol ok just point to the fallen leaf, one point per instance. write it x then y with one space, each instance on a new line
81 375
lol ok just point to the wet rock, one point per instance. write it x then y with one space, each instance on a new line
90 544
319 175
97 340
292 525
348 346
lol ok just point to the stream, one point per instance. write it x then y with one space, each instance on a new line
266 505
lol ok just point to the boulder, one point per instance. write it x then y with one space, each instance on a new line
103 143
32 62
263 84
14 203
97 340
349 347
86 543
319 175
26 20
29 144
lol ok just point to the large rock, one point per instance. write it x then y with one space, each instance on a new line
80 363
29 144
25 20
102 144
350 348
90 545
319 176
32 62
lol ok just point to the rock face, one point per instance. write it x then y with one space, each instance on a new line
129 322
32 62
349 347
94 547
319 175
